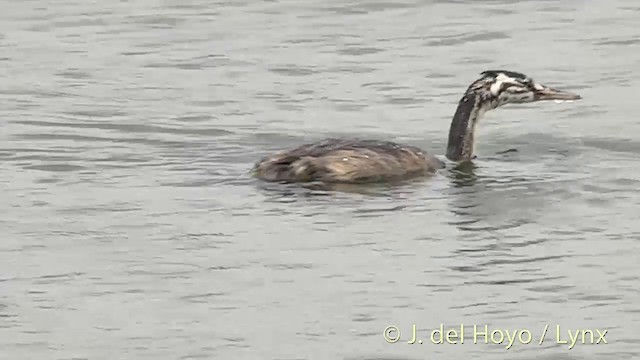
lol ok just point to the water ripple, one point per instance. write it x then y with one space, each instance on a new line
130 224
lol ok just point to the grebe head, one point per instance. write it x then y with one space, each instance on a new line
495 88
500 87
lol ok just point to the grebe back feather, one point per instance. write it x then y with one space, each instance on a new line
347 160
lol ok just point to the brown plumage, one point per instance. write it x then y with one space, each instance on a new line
347 161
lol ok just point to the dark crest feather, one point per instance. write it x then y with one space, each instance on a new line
512 74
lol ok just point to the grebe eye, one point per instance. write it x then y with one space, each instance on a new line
529 82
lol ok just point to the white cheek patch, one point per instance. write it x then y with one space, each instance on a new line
538 87
495 88
500 79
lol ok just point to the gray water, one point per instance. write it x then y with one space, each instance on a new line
130 228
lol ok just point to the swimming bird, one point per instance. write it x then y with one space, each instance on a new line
335 160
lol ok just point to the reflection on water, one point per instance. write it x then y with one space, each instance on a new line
132 229
463 174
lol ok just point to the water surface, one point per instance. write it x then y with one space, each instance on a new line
131 229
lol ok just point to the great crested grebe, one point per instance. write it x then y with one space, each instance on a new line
363 161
